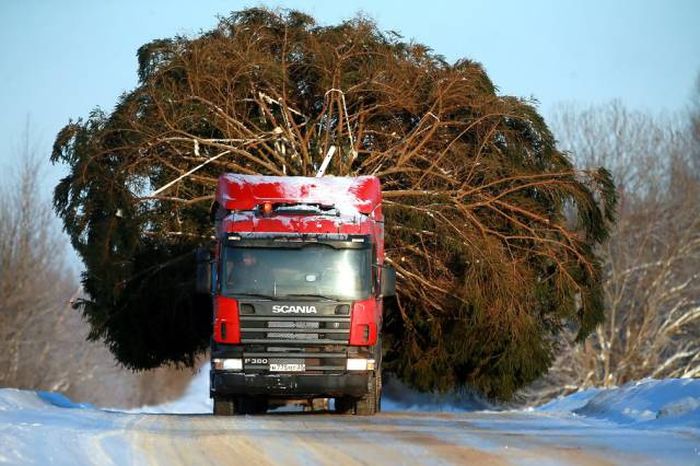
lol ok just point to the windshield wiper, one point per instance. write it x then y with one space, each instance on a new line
310 295
258 295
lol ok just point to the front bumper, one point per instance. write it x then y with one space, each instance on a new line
225 383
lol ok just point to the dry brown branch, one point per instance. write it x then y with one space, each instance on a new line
475 189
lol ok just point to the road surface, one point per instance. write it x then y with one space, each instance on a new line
651 422
64 435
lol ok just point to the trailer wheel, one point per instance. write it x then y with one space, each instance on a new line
224 407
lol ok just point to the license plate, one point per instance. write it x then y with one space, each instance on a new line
292 324
287 367
292 336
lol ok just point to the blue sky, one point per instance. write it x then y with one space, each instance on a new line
60 59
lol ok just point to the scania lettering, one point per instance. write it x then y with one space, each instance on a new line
297 277
294 309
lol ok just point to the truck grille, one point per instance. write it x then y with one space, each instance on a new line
308 344
295 330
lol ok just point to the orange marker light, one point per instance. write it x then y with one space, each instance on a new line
267 209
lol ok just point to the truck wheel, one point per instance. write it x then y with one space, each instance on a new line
251 405
344 405
224 407
379 390
370 404
261 405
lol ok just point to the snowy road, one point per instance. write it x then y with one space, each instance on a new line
651 423
397 438
80 436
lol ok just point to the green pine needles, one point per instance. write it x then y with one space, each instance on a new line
492 231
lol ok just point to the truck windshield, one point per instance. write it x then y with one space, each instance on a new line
312 271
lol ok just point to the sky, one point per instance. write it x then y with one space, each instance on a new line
61 59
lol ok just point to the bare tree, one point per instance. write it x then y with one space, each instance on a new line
34 279
42 338
695 126
652 278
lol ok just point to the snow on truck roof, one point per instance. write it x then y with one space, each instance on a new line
349 195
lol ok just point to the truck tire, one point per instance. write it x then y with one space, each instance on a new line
344 405
379 390
224 407
251 405
369 404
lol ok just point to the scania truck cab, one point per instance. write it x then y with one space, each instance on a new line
297 279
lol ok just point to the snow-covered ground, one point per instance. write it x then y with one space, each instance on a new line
195 400
652 404
649 422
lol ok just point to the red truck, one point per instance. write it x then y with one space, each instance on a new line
297 279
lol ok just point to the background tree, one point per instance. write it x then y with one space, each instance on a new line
42 338
651 280
474 188
34 279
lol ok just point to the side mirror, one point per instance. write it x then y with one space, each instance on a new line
203 283
388 281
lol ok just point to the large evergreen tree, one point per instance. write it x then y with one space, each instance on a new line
489 266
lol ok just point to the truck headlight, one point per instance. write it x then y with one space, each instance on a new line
227 364
360 364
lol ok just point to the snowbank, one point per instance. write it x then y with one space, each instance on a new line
647 403
194 401
48 428
653 420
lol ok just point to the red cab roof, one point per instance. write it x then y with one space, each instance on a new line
349 195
